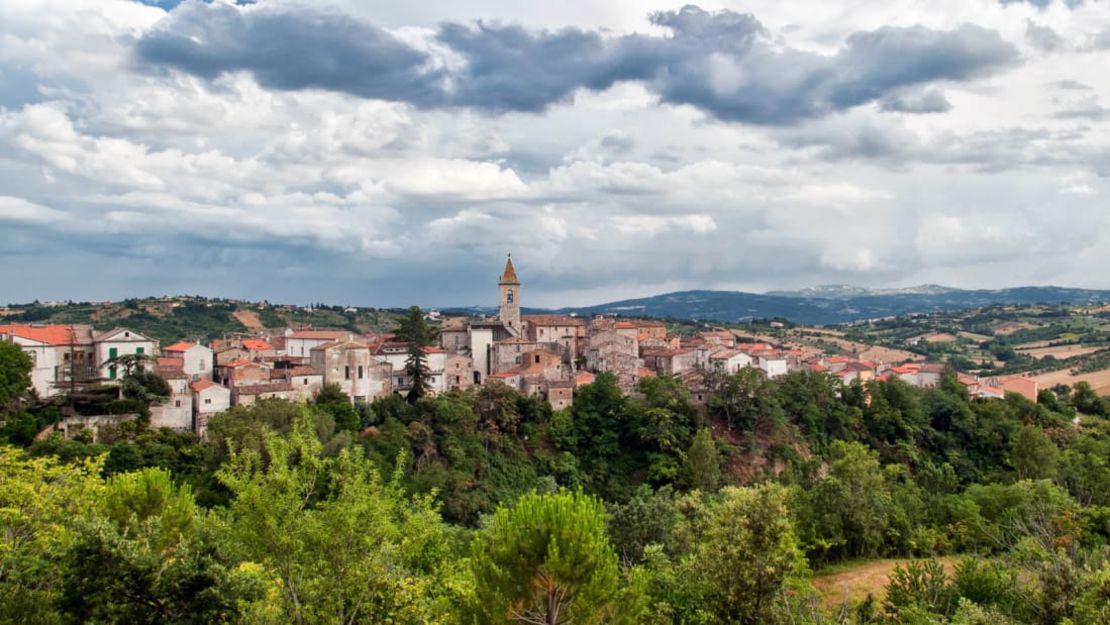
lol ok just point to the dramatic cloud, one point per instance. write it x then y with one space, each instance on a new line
389 154
723 62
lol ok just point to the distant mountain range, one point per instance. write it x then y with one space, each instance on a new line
824 305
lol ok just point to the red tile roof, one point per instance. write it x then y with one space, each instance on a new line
257 345
202 385
553 320
236 363
50 335
180 346
170 362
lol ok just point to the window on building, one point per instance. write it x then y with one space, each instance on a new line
346 373
111 373
360 372
306 381
207 402
537 359
112 352
509 296
177 403
138 350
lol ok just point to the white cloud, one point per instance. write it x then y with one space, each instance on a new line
609 193
19 209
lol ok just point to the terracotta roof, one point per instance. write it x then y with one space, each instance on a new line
725 354
509 275
50 335
624 325
258 389
257 345
170 372
644 372
203 385
180 346
666 353
170 362
236 363
583 378
216 344
348 344
553 320
818 368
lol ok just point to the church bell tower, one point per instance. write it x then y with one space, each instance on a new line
509 313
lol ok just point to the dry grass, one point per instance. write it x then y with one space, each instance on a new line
854 582
1099 380
1009 327
939 337
1060 351
248 318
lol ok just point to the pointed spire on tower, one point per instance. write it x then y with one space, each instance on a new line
509 275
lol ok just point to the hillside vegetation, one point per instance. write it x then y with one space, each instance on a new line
172 319
486 506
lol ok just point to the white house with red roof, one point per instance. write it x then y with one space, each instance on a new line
209 399
196 359
48 347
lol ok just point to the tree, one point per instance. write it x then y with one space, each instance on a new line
749 553
336 542
149 556
415 331
1087 401
547 561
41 501
1033 455
15 375
130 363
703 462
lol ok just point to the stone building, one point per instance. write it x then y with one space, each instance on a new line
509 310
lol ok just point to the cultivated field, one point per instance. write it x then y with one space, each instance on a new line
875 352
1099 380
1060 351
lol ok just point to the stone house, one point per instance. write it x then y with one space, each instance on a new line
302 342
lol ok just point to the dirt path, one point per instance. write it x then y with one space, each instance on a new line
854 583
248 318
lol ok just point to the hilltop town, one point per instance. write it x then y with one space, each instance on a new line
548 356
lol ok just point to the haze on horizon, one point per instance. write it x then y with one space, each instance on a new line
364 152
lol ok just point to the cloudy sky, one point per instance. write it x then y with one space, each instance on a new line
387 153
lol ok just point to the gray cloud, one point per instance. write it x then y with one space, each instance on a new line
292 51
721 62
1044 38
931 101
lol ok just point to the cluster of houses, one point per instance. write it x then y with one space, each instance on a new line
544 355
